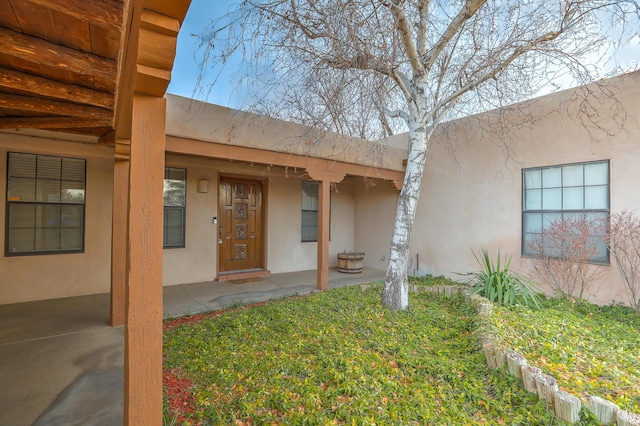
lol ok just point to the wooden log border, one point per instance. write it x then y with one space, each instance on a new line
566 406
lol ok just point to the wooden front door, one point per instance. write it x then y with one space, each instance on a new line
240 224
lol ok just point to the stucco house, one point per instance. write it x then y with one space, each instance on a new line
110 183
473 192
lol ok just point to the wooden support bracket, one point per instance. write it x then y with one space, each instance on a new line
325 175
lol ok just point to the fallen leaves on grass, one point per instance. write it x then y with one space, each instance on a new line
179 397
339 357
590 350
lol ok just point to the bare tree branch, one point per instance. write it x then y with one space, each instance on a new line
494 72
467 11
397 113
403 29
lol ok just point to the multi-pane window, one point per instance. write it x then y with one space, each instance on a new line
553 194
175 195
309 211
45 204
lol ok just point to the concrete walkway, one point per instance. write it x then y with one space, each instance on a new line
61 363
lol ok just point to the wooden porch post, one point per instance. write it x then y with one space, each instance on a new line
119 241
324 178
324 196
150 31
143 332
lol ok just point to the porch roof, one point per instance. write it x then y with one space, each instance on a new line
207 130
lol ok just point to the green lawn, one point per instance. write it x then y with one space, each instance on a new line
338 357
590 350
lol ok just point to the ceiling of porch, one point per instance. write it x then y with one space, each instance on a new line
58 64
63 63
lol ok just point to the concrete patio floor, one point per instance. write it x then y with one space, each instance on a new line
61 363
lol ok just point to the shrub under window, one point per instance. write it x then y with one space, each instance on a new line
555 194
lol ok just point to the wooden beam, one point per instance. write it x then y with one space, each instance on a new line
156 53
85 131
51 123
156 50
329 176
108 139
105 13
11 79
126 71
160 24
152 81
147 56
50 54
123 149
31 104
119 242
175 9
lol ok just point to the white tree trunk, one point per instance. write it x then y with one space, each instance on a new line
395 295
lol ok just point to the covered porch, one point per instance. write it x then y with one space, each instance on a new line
63 363
97 71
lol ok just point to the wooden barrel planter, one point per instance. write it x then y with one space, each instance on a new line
350 263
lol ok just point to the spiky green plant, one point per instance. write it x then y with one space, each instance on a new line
500 285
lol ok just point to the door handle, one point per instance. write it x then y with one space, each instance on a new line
219 232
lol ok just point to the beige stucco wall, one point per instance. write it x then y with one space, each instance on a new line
197 261
24 278
286 251
472 191
375 204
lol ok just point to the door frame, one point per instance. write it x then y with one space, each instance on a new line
265 225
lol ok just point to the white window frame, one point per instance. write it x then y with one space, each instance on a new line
554 192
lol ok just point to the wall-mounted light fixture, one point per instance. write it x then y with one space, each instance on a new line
203 186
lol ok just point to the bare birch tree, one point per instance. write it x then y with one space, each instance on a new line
441 58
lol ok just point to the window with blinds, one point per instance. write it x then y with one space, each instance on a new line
309 229
45 204
309 211
175 197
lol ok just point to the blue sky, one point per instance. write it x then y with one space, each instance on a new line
229 91
186 67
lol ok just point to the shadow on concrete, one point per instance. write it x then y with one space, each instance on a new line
61 363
